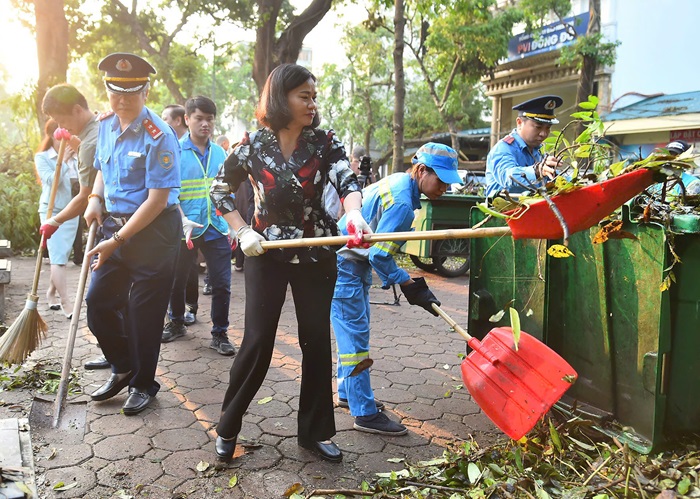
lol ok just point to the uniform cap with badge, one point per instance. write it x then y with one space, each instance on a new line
125 73
540 109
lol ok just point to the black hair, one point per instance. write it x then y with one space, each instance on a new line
273 109
176 111
47 140
204 104
60 99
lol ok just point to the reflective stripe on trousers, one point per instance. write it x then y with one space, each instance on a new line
350 318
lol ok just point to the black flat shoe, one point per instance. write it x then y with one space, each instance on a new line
98 363
225 448
327 450
136 402
115 384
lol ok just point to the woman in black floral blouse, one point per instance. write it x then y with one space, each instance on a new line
289 162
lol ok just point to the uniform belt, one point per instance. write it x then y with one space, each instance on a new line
120 219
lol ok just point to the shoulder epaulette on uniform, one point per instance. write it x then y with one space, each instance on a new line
104 115
508 139
152 129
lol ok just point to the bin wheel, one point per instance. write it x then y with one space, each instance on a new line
451 257
423 263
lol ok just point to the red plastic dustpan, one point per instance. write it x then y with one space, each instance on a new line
581 209
514 388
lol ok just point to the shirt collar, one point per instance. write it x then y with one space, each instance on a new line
188 144
521 143
136 125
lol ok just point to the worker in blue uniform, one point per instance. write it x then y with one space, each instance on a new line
388 206
517 158
204 230
137 183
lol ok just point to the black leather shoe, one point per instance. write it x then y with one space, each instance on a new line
136 402
98 363
115 384
327 450
225 448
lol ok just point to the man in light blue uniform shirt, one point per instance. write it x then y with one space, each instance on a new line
388 206
517 157
204 230
137 183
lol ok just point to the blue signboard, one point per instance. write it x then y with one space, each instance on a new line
550 37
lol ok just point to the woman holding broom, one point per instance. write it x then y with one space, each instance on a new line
60 245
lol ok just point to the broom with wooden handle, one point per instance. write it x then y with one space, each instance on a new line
23 336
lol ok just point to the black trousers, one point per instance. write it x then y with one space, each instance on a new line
312 286
128 298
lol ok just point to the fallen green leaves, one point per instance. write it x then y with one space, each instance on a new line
568 460
42 377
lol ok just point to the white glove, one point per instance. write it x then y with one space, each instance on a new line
187 227
249 241
357 226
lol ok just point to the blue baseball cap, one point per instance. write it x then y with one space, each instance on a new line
441 158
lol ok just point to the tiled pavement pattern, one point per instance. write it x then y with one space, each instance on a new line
416 373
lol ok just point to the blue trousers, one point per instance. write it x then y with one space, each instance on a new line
350 319
128 298
217 254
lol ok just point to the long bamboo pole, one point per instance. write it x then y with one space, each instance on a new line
426 235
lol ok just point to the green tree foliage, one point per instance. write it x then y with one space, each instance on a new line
149 29
19 187
356 101
454 43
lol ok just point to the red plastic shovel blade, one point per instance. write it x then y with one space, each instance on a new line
581 209
515 389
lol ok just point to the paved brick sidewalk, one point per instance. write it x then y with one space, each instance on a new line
416 373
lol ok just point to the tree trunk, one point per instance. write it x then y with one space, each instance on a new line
366 142
399 86
586 79
271 52
51 47
454 138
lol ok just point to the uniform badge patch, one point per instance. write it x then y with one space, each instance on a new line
509 139
151 128
165 159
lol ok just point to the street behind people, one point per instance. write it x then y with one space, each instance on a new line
60 245
290 161
138 158
65 104
204 230
516 162
389 206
